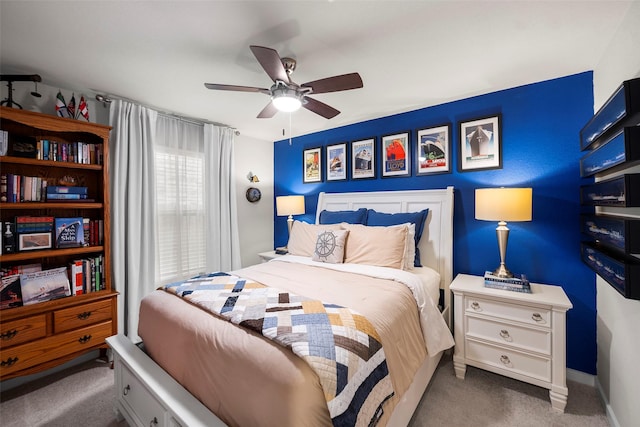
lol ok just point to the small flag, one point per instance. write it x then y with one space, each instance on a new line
71 106
83 110
61 106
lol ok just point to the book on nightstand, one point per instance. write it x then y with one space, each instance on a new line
516 284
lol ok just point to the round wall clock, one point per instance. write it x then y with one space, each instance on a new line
253 194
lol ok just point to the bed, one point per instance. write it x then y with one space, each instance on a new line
195 368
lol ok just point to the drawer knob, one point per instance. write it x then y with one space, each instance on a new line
475 305
154 422
10 361
505 335
505 360
125 390
84 315
537 317
84 339
9 334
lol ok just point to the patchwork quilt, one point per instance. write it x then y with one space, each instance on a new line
339 344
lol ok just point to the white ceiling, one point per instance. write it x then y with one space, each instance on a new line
410 54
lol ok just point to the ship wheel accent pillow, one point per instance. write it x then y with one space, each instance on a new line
330 246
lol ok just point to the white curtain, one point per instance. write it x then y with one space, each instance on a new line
191 216
223 247
133 208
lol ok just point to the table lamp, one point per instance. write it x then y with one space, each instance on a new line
502 205
289 206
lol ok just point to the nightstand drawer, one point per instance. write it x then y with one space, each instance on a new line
508 311
512 361
538 340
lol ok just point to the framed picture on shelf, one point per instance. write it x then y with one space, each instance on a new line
433 150
336 162
363 159
34 241
396 155
480 144
312 165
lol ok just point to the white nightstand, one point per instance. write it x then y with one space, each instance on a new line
267 256
519 335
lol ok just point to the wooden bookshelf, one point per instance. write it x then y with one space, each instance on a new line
39 336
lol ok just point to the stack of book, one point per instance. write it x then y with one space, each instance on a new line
516 284
56 193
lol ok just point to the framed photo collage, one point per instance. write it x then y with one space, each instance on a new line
422 152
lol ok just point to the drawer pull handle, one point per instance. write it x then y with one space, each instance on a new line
10 361
84 339
505 360
84 315
154 422
505 335
537 317
125 391
476 306
9 334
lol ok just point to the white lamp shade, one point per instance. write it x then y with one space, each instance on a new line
504 204
289 205
286 104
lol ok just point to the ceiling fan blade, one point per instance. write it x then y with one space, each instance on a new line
267 112
216 86
271 62
320 108
335 84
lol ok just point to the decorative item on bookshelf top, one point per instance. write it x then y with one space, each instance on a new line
516 284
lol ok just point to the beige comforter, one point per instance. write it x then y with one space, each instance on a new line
247 380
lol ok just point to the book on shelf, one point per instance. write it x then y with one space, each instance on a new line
76 276
8 237
44 285
20 269
69 232
33 224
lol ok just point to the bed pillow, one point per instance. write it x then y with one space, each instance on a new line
380 246
418 218
336 217
302 240
330 246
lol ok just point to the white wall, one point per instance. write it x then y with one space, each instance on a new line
618 318
255 220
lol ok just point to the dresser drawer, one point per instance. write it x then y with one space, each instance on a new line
23 330
511 361
508 311
142 406
43 350
81 315
532 339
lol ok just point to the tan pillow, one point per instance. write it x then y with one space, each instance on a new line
380 246
330 246
302 240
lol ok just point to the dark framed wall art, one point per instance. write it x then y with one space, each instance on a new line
337 159
312 164
480 144
363 159
396 155
433 150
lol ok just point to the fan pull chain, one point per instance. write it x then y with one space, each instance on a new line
289 129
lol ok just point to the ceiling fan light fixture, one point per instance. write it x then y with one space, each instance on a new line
286 99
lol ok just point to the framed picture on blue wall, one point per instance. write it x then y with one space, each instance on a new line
312 165
363 158
396 155
480 144
337 159
433 150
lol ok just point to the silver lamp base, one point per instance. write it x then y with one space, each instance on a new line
502 233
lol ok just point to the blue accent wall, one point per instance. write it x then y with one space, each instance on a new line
540 149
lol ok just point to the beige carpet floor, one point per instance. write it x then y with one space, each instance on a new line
82 396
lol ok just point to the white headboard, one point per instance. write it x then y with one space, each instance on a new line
436 244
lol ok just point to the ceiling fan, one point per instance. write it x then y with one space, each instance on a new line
287 95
